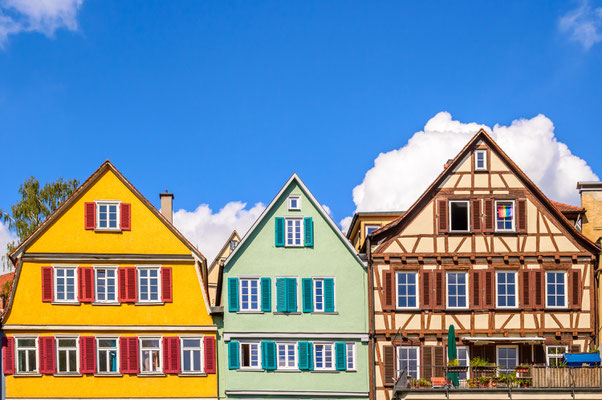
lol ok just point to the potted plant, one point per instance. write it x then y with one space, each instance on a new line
454 366
522 368
424 383
412 383
473 383
479 363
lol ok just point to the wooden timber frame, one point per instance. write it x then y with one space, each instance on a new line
419 241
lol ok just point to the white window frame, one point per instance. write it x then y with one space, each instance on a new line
201 349
98 203
98 350
290 203
302 227
377 226
467 284
333 356
449 210
250 342
476 165
107 267
507 346
515 290
315 295
141 350
397 273
159 283
350 347
555 356
295 365
398 360
57 338
36 350
566 287
513 229
467 348
240 294
75 284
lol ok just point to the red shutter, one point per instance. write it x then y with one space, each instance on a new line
442 215
489 289
47 284
86 284
489 219
166 285
525 289
389 290
426 297
575 289
476 215
87 354
476 302
209 347
90 215
122 277
133 355
439 290
47 355
521 215
538 282
8 355
126 217
131 284
171 355
124 364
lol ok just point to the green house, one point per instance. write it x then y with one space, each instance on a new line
295 309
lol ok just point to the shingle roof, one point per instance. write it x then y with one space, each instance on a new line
567 207
6 278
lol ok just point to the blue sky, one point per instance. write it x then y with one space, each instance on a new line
221 101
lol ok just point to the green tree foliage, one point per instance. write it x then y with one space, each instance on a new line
34 207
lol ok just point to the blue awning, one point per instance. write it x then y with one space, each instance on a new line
578 359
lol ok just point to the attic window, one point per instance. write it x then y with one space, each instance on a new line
480 160
233 244
458 215
294 203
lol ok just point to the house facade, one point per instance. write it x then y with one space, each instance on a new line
108 302
295 316
484 250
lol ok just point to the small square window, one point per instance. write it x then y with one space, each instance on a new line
294 203
480 160
459 216
107 215
371 228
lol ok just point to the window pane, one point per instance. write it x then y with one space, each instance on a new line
459 215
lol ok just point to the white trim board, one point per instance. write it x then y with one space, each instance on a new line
304 335
112 328
293 393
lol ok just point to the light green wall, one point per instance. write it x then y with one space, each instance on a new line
329 257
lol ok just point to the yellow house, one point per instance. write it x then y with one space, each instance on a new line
109 301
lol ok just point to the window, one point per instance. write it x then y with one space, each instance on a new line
107 355
506 289
64 284
324 356
67 355
318 295
249 294
556 289
350 356
458 216
504 216
287 355
406 290
371 228
480 160
294 202
294 234
107 214
233 244
456 290
148 284
150 355
507 358
463 359
106 282
554 355
408 361
249 355
191 354
26 349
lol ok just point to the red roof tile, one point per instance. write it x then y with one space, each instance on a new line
6 278
567 207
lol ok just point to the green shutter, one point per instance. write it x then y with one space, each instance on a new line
268 355
281 295
308 295
329 295
233 294
309 231
340 349
291 294
279 232
233 355
266 294
310 356
303 348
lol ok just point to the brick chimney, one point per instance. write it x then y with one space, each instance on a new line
167 205
591 200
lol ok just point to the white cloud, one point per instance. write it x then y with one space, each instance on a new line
583 24
345 224
6 237
327 209
400 176
209 231
44 16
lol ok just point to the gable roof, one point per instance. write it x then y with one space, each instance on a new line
567 208
106 166
400 222
318 206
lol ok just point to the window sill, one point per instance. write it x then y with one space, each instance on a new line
249 312
26 374
287 313
67 374
407 309
326 371
325 312
250 369
150 374
108 230
192 374
149 303
558 308
108 303
107 374
65 303
288 370
507 308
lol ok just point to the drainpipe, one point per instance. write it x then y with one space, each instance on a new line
371 336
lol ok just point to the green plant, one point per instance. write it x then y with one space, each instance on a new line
423 382
453 363
479 362
472 382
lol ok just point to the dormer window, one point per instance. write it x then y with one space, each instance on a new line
480 160
294 203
